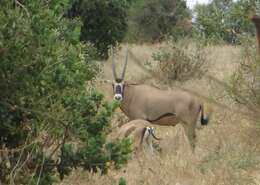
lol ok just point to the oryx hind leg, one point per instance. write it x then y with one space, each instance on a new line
189 129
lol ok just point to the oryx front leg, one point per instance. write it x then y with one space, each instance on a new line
190 133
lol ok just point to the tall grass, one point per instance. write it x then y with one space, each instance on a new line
245 81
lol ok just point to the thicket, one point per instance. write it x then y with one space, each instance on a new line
104 22
181 60
224 20
152 20
51 119
245 81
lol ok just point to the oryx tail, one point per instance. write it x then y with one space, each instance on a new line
204 120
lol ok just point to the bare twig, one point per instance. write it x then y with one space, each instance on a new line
23 164
34 172
17 164
23 7
43 161
60 144
20 148
62 152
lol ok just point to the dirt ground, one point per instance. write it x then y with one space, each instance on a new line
227 150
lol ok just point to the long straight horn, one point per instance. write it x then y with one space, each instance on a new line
153 134
113 64
125 64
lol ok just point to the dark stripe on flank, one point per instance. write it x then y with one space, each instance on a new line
169 114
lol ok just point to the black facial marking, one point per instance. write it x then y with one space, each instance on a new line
118 89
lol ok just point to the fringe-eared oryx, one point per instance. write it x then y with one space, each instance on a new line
141 132
139 101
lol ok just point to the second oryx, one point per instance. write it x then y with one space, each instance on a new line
141 132
162 107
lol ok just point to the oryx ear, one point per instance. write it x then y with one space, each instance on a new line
108 81
125 64
105 81
113 63
147 128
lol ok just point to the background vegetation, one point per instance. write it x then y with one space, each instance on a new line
104 22
152 20
224 20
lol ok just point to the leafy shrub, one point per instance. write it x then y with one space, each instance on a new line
49 121
122 181
181 61
151 20
104 22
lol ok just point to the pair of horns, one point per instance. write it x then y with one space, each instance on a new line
151 130
114 65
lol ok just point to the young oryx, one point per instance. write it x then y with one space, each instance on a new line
139 101
140 131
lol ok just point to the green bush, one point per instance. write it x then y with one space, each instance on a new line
151 20
181 61
51 120
104 22
223 20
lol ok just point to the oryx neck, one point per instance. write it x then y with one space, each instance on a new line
127 98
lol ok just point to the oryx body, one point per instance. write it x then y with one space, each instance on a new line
162 107
141 132
158 106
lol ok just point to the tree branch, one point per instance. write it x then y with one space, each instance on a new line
23 7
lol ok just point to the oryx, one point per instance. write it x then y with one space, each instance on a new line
141 132
162 107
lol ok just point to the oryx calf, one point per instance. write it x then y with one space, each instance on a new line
141 132
139 101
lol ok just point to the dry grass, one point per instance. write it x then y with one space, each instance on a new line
227 150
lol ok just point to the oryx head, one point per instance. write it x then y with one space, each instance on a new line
118 84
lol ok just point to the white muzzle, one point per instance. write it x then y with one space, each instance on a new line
118 97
